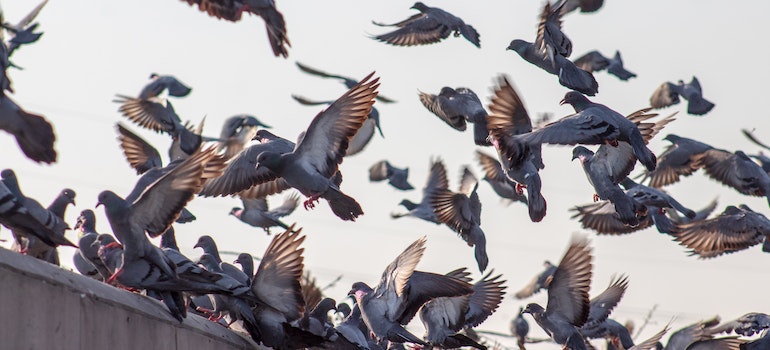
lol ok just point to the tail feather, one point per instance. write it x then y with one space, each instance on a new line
460 340
36 138
471 34
344 206
536 203
575 78
398 334
698 105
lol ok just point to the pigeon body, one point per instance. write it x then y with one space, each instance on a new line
735 170
667 94
437 181
397 177
237 131
594 61
429 26
569 74
255 212
457 107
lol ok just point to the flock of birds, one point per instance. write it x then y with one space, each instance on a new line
279 306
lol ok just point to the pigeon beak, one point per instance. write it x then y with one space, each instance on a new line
562 102
197 245
98 203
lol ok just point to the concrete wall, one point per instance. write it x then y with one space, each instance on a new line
45 307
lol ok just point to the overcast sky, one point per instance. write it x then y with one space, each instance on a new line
95 49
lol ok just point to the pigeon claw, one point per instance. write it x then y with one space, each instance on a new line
310 202
114 276
520 188
596 197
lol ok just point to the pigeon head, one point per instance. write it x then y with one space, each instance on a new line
7 174
576 99
533 309
582 153
206 243
518 45
68 195
263 136
86 221
420 6
271 160
244 258
344 309
236 212
111 201
359 290
154 76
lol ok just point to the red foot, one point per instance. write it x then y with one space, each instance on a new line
520 188
23 251
114 276
596 197
309 203
132 290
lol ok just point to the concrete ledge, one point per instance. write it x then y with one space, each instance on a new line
46 307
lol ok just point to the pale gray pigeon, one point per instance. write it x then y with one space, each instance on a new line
457 107
397 177
429 26
667 94
349 82
255 212
594 61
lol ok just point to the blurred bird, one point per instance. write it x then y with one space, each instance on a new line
456 107
495 176
520 329
237 131
347 81
667 94
429 26
539 282
735 170
23 32
595 62
585 6
746 325
735 229
396 177
255 212
676 160
437 180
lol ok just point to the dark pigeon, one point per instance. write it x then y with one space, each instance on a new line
667 94
397 177
209 247
520 329
457 107
568 304
247 265
585 6
735 229
735 170
594 61
311 165
33 133
255 212
237 131
676 161
551 40
400 293
232 10
159 83
23 32
349 82
237 309
569 74
539 282
495 176
746 325
601 307
437 181
429 26
58 207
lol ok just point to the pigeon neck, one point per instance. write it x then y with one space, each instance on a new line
59 206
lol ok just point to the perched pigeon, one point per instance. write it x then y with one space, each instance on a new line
33 133
255 212
231 10
349 82
444 317
396 177
363 136
41 250
735 170
110 252
735 229
456 107
746 325
595 62
400 293
539 282
159 83
495 176
237 131
429 26
520 329
585 6
247 265
461 212
437 181
209 247
236 308
316 320
569 74
677 160
568 305
86 228
520 162
668 94
311 165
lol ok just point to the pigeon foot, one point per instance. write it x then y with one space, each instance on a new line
520 188
596 197
309 203
114 276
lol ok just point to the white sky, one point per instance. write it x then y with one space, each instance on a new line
94 49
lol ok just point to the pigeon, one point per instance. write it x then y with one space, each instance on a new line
87 251
621 338
159 83
237 309
539 282
601 217
437 180
247 265
519 162
746 325
255 212
676 161
237 131
311 165
501 184
33 133
23 32
25 216
39 249
520 329
749 135
209 247
429 26
110 252
364 135
444 317
456 107
461 212
667 94
396 177
735 170
551 40
700 215
585 6
568 305
594 61
400 293
231 10
699 331
569 74
316 321
155 209
757 344
311 293
602 305
349 82
735 229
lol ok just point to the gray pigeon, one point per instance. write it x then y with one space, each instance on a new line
699 331
735 229
236 308
520 162
569 74
585 6
237 131
539 282
311 165
86 228
255 212
461 212
594 61
667 94
364 134
520 329
429 26
396 177
400 293
746 325
456 107
501 184
159 83
349 82
568 305
444 317
58 207
735 170
209 247
231 10
437 180
676 161
33 133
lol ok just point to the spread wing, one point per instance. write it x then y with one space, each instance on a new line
447 107
243 172
277 279
419 29
592 62
732 231
139 153
568 291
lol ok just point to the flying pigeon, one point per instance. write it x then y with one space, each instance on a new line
255 212
495 176
746 325
568 304
33 133
735 229
437 181
349 82
23 32
735 170
551 40
400 293
457 107
585 6
539 282
429 26
232 10
311 165
237 131
594 61
396 177
676 161
159 83
667 94
699 331
601 307
569 74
